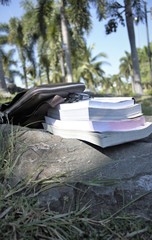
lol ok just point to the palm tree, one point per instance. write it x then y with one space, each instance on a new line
41 25
5 2
118 84
8 63
3 41
137 87
144 67
2 78
64 21
126 68
24 45
116 11
89 69
16 38
60 27
66 40
107 85
75 20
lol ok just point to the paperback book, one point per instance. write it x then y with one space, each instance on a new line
101 121
95 113
103 139
97 126
101 102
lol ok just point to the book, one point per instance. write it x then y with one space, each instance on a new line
103 139
101 121
97 126
99 112
99 102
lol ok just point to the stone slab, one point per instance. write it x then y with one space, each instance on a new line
85 171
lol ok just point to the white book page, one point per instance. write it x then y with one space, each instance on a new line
114 103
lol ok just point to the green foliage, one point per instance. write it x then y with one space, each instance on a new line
111 26
38 33
126 68
147 105
5 2
116 12
89 69
79 12
8 64
145 68
38 39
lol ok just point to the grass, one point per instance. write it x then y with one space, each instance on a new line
22 217
146 105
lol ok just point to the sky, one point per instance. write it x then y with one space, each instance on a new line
113 45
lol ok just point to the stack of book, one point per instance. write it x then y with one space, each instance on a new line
101 121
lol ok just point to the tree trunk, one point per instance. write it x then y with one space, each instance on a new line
47 74
137 87
23 60
62 66
3 85
25 76
66 44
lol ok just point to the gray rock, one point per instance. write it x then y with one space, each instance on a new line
81 173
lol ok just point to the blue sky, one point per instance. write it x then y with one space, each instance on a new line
114 45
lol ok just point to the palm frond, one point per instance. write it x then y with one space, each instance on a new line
5 2
4 27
